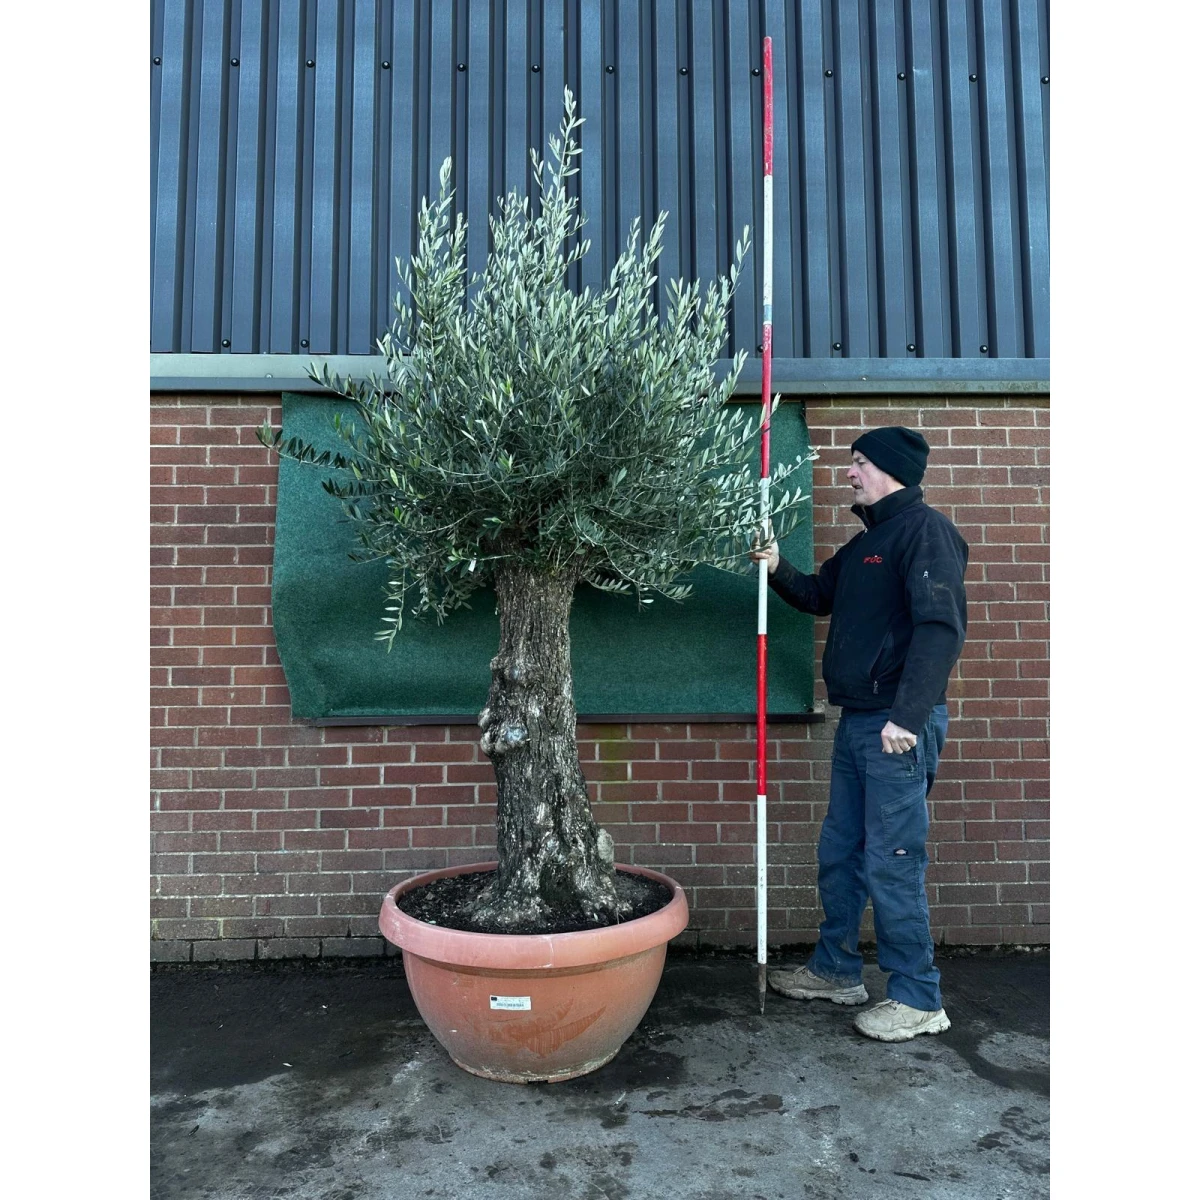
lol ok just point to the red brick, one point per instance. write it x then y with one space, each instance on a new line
184 843
470 773
434 794
626 791
987 914
413 773
720 812
981 475
949 417
483 815
318 883
730 852
666 855
350 818
1008 417
1027 893
189 885
1024 851
438 835
185 930
381 839
255 798
693 831
967 893
188 800
980 831
691 751
659 770
318 756
286 818
445 752
1020 687
626 751
702 790
414 816
633 835
366 776
607 770
314 839
736 769
969 852
223 819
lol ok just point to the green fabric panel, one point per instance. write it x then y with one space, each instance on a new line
697 656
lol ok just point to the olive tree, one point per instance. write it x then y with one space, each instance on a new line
533 439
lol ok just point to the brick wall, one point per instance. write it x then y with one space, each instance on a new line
272 838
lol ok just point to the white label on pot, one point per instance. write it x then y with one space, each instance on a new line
517 1003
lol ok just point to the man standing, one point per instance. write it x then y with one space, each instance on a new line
896 598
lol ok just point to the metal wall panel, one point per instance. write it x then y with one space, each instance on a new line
293 140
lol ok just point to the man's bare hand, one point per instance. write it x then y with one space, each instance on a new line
897 740
769 553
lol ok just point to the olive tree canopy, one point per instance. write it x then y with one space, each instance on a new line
532 438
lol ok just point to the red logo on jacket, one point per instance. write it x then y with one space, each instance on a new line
872 558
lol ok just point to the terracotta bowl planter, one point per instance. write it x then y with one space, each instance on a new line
533 1007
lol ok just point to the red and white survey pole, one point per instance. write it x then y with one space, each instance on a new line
764 512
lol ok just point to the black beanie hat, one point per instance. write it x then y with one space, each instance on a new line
899 451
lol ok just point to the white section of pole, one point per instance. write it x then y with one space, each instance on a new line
762 880
768 244
765 524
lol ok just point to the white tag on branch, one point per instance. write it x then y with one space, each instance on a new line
512 1003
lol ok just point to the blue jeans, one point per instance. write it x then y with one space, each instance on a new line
873 844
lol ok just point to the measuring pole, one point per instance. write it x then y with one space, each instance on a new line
764 510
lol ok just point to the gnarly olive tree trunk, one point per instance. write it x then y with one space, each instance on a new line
552 857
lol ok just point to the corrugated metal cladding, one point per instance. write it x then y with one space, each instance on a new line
293 141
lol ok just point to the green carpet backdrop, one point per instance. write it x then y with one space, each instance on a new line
695 657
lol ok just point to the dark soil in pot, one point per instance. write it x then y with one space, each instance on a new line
447 902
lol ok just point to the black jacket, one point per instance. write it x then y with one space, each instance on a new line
899 608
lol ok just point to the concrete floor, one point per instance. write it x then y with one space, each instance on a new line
319 1081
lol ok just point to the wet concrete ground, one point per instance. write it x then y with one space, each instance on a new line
319 1081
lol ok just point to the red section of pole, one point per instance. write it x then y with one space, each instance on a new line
768 110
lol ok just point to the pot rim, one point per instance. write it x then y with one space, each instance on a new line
531 951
